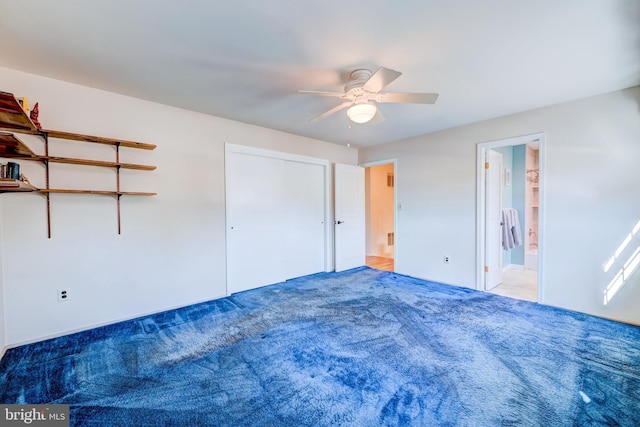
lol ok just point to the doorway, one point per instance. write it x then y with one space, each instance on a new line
380 215
510 184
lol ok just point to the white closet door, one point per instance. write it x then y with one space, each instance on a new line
255 242
304 227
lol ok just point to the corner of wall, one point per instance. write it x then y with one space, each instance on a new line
3 332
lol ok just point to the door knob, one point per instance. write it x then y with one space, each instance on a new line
339 222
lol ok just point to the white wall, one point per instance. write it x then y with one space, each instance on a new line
591 199
172 249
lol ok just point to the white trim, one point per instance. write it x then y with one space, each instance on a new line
380 163
395 203
481 196
243 149
328 217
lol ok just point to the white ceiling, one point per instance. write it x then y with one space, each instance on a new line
245 59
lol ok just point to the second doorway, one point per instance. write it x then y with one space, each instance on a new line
380 216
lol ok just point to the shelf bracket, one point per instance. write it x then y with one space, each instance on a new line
45 136
118 182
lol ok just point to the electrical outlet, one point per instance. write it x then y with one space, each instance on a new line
446 259
63 295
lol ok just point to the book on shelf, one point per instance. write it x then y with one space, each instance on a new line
10 170
12 180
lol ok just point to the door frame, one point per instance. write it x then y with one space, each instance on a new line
328 214
481 204
396 253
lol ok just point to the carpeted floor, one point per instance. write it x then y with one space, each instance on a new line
358 348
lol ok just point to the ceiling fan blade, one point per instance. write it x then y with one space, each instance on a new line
322 93
380 79
332 111
409 98
378 118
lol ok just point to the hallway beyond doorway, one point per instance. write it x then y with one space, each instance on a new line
380 215
380 263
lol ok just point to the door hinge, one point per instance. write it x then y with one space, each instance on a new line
486 165
486 268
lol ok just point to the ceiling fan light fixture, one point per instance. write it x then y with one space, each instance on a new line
362 113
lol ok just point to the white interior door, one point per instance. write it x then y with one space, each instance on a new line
255 208
350 237
305 217
493 239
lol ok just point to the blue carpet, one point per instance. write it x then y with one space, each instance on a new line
358 348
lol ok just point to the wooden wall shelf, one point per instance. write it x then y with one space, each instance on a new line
98 139
12 115
99 163
8 185
12 147
101 192
14 119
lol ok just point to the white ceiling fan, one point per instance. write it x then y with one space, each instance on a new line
363 91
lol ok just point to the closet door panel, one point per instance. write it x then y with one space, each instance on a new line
256 207
304 228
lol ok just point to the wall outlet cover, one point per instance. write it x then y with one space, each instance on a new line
63 295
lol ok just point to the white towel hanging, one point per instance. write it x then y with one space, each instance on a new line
511 234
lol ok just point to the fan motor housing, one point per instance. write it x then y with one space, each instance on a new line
358 79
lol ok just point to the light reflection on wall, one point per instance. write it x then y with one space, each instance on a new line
628 268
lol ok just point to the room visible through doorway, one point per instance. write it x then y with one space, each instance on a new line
509 217
380 216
